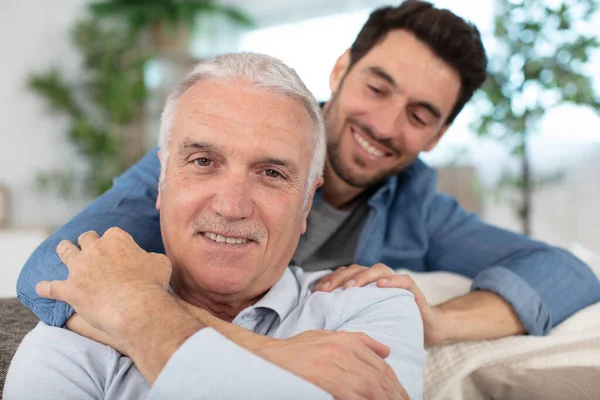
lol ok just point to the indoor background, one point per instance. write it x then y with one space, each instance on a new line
53 160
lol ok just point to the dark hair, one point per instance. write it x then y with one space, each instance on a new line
450 37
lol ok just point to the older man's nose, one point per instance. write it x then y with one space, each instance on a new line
233 200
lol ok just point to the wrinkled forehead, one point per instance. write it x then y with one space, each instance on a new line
236 112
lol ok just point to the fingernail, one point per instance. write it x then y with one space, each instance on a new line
325 285
384 281
349 284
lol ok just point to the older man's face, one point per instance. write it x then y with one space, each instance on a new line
231 211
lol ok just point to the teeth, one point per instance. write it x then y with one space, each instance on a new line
367 147
223 239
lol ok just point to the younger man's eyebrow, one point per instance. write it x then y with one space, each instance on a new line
379 72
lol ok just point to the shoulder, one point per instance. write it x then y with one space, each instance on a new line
374 302
414 189
63 349
58 363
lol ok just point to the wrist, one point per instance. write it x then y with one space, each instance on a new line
157 320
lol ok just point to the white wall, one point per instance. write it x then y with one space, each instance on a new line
33 37
563 214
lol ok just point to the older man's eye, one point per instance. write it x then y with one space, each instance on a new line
271 173
203 162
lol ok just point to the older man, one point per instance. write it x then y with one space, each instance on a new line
242 151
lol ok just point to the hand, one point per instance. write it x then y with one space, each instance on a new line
434 322
108 278
347 365
353 275
357 275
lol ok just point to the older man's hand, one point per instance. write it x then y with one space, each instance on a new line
109 276
348 365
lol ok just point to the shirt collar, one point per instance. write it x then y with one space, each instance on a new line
283 296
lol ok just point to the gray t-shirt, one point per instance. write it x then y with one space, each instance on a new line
331 235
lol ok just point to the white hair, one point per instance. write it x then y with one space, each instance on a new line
263 71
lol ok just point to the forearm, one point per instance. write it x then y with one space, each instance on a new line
157 329
242 337
478 315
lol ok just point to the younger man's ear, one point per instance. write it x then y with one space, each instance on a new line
339 71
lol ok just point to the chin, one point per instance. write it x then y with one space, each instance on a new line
222 280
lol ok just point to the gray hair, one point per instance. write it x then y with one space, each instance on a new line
265 72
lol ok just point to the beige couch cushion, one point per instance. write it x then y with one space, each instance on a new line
564 383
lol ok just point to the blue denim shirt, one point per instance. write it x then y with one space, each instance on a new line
409 226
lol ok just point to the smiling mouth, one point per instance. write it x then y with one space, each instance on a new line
225 239
366 146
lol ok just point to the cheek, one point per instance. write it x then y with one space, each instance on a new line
281 214
412 143
181 197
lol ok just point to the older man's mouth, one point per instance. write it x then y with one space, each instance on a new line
225 239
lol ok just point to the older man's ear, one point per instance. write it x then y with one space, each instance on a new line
313 190
158 197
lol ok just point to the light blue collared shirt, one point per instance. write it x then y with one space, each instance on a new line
54 363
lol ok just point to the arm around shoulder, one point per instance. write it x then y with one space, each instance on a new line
543 284
129 205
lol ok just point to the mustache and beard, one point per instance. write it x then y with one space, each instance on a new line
238 229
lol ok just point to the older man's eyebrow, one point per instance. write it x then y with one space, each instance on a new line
280 162
196 145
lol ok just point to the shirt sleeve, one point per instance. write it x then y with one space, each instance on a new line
51 364
208 366
391 317
543 284
129 205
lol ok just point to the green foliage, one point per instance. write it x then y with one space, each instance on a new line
538 62
142 14
101 104
105 102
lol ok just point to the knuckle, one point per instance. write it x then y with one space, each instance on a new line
112 232
407 280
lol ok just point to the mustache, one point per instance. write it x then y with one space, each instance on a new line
370 132
238 229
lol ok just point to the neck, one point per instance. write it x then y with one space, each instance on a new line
212 303
337 192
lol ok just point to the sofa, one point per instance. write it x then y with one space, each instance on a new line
15 321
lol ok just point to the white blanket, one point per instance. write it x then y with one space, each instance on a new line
575 342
